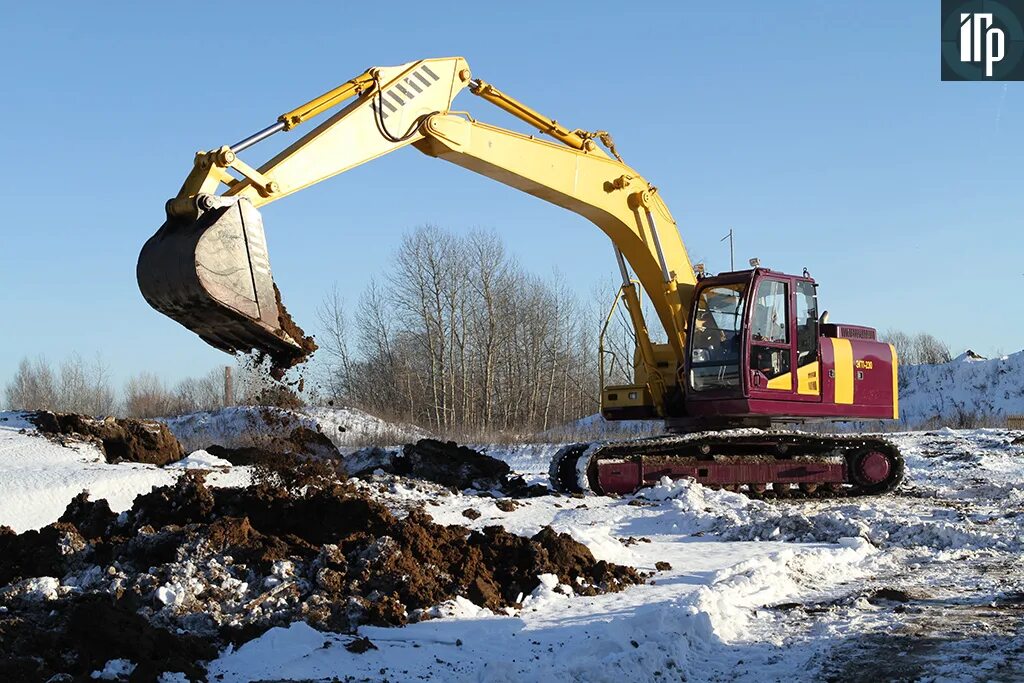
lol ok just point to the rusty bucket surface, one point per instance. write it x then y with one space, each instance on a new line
208 268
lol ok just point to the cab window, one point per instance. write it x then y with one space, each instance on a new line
715 338
806 324
769 320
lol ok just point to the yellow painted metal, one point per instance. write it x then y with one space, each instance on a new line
531 116
654 365
842 352
329 100
601 351
378 122
620 396
808 379
895 383
664 362
206 176
582 182
783 382
410 104
645 349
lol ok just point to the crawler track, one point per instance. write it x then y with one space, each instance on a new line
753 461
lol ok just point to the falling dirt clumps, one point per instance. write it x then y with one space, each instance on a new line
120 439
191 568
282 362
445 463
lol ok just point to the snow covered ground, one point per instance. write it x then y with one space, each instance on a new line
927 584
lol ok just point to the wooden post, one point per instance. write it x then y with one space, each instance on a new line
229 389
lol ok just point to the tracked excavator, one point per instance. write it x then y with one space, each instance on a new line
746 355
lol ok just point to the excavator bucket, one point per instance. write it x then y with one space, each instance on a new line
209 270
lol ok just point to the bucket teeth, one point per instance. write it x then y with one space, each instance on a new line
209 270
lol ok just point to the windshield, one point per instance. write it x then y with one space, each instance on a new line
715 338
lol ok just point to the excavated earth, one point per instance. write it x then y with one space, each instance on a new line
280 362
445 463
120 439
191 568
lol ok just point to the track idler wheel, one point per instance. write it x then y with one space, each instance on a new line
873 470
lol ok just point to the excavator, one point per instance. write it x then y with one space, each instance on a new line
745 355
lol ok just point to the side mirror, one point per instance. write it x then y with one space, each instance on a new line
824 318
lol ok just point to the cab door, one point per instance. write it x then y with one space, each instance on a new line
771 355
806 351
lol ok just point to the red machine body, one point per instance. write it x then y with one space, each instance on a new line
758 351
758 354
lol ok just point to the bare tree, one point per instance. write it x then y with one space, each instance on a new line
33 386
335 356
145 395
205 392
930 350
906 351
459 338
917 349
85 387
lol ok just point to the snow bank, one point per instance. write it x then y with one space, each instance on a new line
39 477
596 427
964 386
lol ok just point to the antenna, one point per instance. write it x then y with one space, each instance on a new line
732 258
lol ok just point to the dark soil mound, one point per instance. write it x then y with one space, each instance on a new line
448 464
78 635
300 444
122 439
190 568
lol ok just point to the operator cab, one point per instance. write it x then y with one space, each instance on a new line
758 350
748 332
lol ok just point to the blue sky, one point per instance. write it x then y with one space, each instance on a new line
819 131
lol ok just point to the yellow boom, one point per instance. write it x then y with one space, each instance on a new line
228 298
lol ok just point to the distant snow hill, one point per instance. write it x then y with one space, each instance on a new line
967 386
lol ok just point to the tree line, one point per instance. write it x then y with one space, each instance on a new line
457 336
80 386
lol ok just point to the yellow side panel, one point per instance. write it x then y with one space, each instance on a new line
808 380
895 384
842 352
784 382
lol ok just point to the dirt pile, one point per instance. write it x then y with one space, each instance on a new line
248 434
121 439
445 463
190 568
299 445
